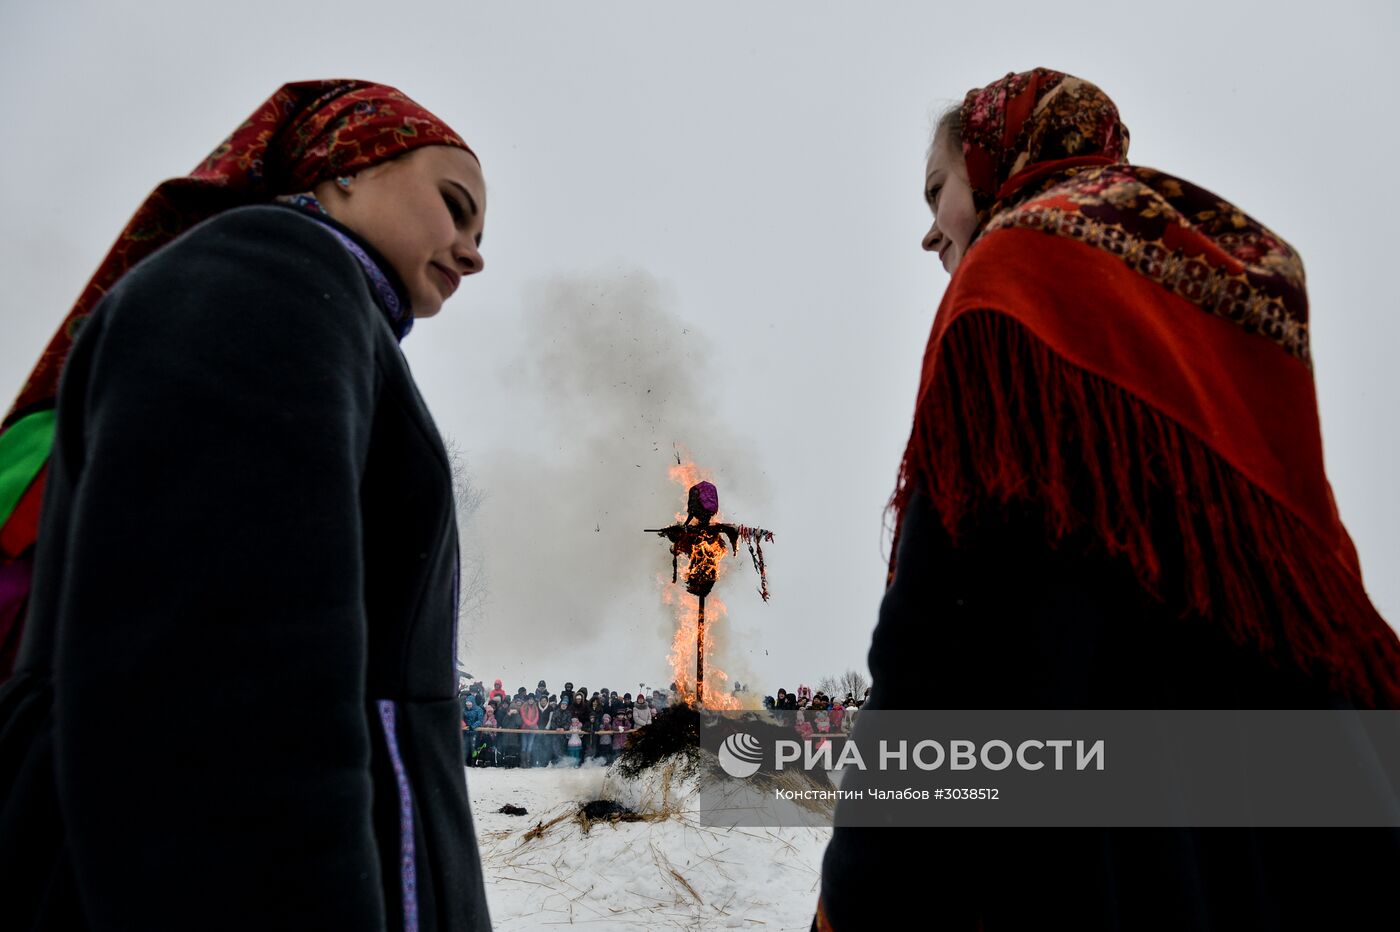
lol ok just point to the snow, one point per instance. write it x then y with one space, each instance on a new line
667 872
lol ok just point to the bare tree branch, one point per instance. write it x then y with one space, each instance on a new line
851 683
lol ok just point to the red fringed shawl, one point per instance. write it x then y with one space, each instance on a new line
1118 330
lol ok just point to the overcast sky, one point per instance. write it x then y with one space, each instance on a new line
703 229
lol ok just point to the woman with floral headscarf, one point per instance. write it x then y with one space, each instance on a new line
1112 497
236 462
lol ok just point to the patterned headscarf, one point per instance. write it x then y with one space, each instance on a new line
1114 330
1031 125
306 133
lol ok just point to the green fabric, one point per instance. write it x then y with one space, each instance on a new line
24 449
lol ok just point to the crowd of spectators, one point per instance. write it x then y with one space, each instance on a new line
539 728
817 713
536 729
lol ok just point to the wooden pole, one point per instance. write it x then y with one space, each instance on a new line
700 657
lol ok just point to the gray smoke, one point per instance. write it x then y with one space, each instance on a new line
610 384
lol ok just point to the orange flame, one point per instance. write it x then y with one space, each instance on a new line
686 475
706 560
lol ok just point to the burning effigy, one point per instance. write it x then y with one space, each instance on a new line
702 541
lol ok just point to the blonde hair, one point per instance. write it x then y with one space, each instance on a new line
949 122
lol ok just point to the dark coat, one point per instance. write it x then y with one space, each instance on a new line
510 740
245 473
1005 622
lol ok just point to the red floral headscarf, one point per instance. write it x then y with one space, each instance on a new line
306 133
1119 329
1032 125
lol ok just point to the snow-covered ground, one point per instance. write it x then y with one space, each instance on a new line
543 870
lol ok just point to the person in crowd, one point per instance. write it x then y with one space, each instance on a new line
469 737
566 716
822 727
510 737
605 739
472 718
583 711
538 753
212 453
544 742
622 724
497 691
575 741
557 722
1113 496
529 720
641 712
487 741
597 725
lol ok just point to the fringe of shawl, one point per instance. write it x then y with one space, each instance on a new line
1006 419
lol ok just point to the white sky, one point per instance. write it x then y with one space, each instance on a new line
720 202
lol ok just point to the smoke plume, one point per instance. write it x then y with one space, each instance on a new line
610 385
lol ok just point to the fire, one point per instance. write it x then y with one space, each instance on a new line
705 565
682 656
687 474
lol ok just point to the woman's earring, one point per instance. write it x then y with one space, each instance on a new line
344 182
